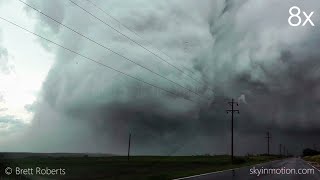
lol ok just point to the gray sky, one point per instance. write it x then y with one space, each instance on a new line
55 101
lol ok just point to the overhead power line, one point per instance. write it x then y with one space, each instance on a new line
95 61
137 43
107 48
138 35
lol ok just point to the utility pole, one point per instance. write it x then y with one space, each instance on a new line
268 142
232 111
129 146
280 149
284 150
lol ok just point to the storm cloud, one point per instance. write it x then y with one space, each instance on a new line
236 48
5 67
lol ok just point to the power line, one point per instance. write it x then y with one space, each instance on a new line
95 61
86 38
134 32
159 57
101 45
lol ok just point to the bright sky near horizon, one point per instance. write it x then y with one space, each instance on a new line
30 63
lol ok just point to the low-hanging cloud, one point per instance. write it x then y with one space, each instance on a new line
5 66
237 48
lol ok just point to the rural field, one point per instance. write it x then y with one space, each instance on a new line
314 160
138 167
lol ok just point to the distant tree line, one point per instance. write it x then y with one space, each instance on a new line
310 152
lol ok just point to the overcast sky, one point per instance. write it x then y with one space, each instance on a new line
52 100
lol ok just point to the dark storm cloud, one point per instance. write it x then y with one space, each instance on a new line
238 48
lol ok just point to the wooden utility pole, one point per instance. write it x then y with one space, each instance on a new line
280 149
232 111
129 146
268 142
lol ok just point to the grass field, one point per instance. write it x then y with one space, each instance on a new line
139 167
313 158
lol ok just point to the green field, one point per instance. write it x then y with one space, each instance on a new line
139 167
313 158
